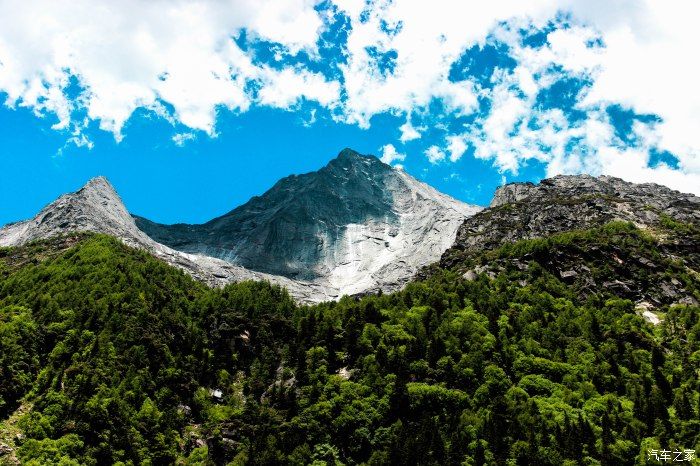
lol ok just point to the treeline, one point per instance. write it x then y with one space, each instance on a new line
125 360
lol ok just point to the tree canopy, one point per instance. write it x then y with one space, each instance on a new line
126 360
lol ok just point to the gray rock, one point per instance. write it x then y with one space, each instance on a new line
688 301
355 226
668 290
647 263
97 208
564 203
522 211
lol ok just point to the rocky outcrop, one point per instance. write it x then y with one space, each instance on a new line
563 203
95 207
98 208
355 226
617 268
613 262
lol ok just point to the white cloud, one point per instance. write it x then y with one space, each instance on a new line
457 146
179 59
426 41
643 63
286 87
645 70
132 54
434 154
293 23
180 139
390 155
409 132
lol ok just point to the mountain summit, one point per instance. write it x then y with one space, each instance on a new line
355 225
571 202
95 207
597 234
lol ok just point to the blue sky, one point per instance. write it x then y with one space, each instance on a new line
192 109
207 176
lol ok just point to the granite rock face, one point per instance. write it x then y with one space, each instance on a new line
356 225
98 208
95 207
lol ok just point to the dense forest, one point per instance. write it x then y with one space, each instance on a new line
108 356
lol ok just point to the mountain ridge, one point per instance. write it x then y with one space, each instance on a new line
528 344
570 202
549 224
355 226
97 207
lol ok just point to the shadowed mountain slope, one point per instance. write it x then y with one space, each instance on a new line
355 225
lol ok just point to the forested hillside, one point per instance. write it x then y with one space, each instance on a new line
109 356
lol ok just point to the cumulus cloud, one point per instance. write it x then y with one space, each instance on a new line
286 87
390 155
621 65
85 61
456 146
409 132
134 54
634 54
434 154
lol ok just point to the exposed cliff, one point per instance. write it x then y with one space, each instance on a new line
97 207
563 203
356 225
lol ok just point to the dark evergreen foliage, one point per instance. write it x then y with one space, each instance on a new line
126 360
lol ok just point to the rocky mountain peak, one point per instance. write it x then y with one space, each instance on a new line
577 186
98 183
354 225
603 235
95 207
352 155
562 185
353 167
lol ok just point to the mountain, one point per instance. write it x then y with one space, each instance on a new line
109 356
561 328
597 234
97 207
356 225
562 203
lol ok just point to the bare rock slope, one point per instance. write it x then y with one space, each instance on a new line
355 226
97 207
563 203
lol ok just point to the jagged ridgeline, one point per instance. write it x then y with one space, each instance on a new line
524 350
355 226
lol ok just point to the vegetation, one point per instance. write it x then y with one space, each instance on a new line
126 360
